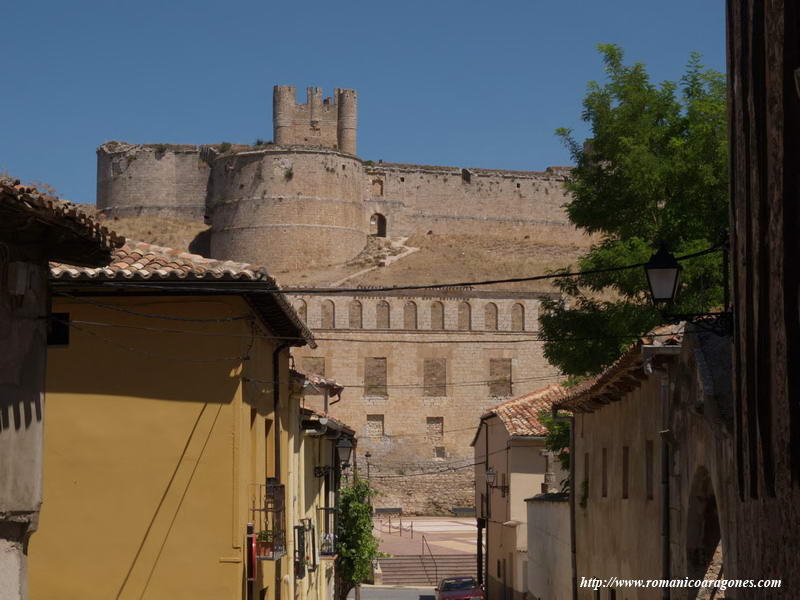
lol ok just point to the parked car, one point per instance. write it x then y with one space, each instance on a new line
459 588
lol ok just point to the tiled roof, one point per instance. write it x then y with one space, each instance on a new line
520 416
139 263
142 261
334 389
623 375
65 233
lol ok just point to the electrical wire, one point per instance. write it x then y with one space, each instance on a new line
462 284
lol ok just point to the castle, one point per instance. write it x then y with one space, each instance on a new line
418 369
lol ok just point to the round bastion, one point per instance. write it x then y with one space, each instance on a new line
158 180
286 207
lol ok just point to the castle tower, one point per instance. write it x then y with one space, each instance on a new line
328 123
347 119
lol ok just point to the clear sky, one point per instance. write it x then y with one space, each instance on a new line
464 83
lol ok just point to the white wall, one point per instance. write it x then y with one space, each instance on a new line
549 555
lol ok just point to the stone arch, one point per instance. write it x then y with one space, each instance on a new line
328 319
437 315
356 315
383 315
377 225
465 316
490 316
518 317
302 310
704 557
410 315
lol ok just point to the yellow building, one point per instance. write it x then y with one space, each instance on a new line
169 432
319 450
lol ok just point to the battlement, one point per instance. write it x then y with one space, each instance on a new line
328 122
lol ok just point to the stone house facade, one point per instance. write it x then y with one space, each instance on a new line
509 443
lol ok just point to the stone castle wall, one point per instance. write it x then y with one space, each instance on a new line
286 208
307 200
425 420
158 180
416 198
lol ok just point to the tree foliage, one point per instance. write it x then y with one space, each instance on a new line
557 438
655 170
356 546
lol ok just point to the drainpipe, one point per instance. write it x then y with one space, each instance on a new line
276 402
572 535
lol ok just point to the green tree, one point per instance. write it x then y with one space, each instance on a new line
557 438
356 546
655 170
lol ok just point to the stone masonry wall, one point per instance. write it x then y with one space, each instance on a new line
399 426
158 180
286 208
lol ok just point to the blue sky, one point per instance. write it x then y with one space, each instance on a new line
465 83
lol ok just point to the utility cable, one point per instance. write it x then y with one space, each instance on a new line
399 288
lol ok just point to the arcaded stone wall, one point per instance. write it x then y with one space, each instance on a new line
158 180
417 198
286 208
406 428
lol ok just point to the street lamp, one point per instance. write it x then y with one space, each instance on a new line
491 475
663 276
344 448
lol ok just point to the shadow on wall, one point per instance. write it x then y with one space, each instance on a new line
201 244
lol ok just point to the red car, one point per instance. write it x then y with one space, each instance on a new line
459 588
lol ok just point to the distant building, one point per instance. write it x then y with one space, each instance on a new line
511 464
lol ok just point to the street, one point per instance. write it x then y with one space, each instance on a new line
369 592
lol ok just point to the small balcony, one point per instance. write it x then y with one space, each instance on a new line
268 514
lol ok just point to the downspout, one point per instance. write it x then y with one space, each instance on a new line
572 534
276 403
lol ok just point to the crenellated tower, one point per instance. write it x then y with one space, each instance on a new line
326 122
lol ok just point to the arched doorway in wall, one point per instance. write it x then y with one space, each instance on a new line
377 225
704 552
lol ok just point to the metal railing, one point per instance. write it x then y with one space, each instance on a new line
433 558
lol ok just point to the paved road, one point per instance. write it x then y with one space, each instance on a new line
369 592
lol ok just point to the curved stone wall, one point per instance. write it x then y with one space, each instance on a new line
287 208
158 180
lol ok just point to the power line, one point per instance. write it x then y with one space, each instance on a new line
330 291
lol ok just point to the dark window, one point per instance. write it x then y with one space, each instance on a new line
328 315
375 377
383 318
356 315
605 472
500 377
434 377
437 315
648 476
439 452
625 470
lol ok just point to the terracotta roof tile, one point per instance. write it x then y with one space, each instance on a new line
142 261
581 397
79 237
520 415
